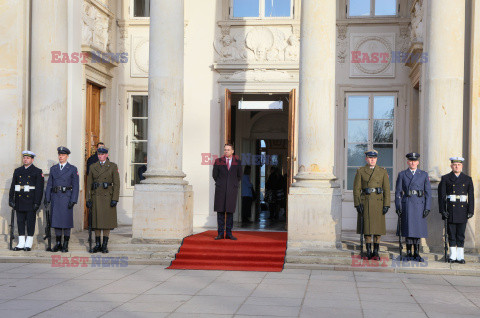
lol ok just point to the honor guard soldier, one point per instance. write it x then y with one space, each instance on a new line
25 197
371 195
413 197
103 191
456 204
62 192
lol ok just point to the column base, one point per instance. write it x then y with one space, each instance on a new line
315 216
162 211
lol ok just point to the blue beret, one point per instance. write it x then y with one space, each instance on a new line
63 150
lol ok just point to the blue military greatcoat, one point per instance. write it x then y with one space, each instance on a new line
413 223
61 215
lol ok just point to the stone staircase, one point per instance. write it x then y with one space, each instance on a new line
121 244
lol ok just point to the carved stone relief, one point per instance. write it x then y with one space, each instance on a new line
416 34
370 55
259 75
342 43
96 26
403 42
257 44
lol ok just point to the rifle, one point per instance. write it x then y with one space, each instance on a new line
90 250
400 247
12 229
48 226
361 235
445 234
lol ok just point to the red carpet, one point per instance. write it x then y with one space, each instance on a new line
253 251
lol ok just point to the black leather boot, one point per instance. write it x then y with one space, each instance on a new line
409 252
58 244
376 247
98 245
104 245
369 250
416 254
65 244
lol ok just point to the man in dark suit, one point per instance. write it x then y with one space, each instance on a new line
94 157
62 191
25 196
227 173
455 192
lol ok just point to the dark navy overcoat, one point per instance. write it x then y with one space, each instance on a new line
226 184
413 222
61 215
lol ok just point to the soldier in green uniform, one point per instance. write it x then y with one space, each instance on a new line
371 196
103 190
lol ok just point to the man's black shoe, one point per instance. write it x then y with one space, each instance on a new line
219 237
231 237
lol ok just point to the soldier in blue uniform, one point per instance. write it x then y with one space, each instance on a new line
62 192
25 196
456 204
413 197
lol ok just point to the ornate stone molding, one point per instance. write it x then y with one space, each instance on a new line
257 44
416 14
259 75
139 56
403 41
342 42
97 27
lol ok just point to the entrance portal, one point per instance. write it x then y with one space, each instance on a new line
261 127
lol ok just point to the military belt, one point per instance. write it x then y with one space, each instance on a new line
372 190
104 185
25 188
454 198
418 193
61 189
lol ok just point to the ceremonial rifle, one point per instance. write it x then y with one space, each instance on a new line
445 234
400 247
361 235
12 228
48 235
90 250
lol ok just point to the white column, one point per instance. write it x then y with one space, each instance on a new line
163 203
48 117
444 81
474 156
314 203
443 98
165 93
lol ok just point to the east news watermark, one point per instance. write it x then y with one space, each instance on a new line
359 57
95 57
89 261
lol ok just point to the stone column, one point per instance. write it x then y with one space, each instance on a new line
314 203
443 99
49 80
474 156
163 203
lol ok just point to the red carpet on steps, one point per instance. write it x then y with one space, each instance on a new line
253 251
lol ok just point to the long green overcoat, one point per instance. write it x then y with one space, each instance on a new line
103 215
374 220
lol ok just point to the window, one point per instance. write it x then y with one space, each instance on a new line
261 9
370 124
137 137
371 8
141 8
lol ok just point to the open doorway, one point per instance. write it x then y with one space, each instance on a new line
261 128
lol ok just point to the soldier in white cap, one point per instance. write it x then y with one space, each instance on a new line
25 196
456 203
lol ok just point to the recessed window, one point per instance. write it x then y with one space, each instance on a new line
261 9
370 124
372 8
141 8
138 137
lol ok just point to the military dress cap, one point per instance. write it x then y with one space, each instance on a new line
371 153
413 156
457 159
63 150
28 153
102 150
